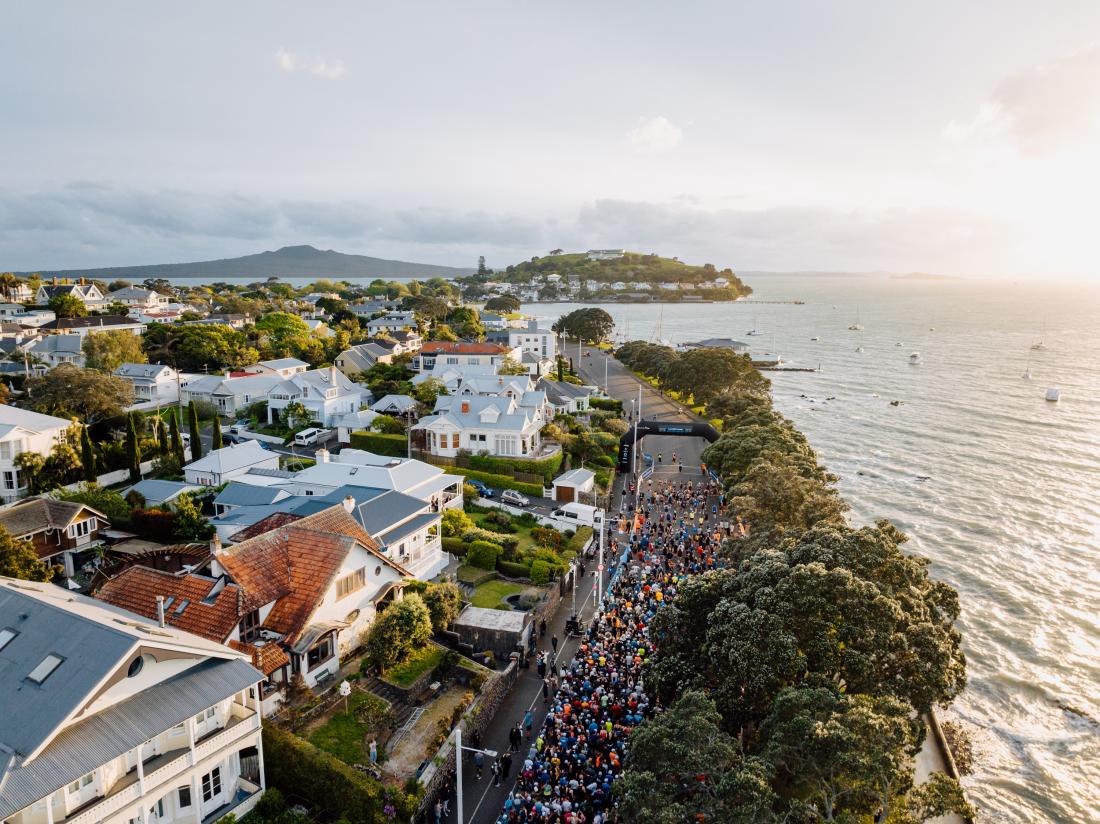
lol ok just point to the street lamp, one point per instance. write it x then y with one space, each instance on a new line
458 770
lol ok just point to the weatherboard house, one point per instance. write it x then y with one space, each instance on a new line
112 717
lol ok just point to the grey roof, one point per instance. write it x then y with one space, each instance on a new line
96 740
495 619
71 344
91 651
401 403
140 370
238 494
155 491
406 529
381 512
283 363
560 390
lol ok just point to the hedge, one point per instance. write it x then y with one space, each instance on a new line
455 546
540 572
495 481
508 542
513 569
483 554
608 404
579 539
379 443
547 467
299 768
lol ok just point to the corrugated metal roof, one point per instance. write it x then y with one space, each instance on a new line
409 527
239 494
108 734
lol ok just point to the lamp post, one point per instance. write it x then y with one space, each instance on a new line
460 817
599 597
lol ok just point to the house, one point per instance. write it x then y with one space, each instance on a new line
54 350
366 309
358 359
110 717
100 323
493 321
88 294
164 494
234 320
221 465
512 386
151 381
462 353
24 431
356 467
236 495
397 405
34 318
283 367
318 328
327 395
229 395
493 425
407 340
391 322
452 376
296 596
575 485
59 530
354 422
9 309
605 254
533 340
135 297
19 292
566 397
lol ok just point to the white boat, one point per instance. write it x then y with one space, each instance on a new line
1027 373
915 359
815 338
1039 345
857 326
898 343
1054 394
754 330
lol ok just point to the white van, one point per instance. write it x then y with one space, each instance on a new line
307 437
581 513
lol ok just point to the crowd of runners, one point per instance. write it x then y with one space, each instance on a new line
568 768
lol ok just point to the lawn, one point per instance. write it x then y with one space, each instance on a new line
474 575
345 734
492 593
424 659
522 533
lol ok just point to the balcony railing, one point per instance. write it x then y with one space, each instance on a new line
239 724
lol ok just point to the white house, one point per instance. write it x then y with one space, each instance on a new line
391 322
494 425
221 465
491 320
88 294
34 317
283 367
151 381
90 325
296 595
229 395
135 297
438 353
54 350
354 422
541 342
327 394
566 397
19 292
110 717
397 405
24 431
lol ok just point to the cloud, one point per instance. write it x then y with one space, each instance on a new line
1049 107
656 133
318 66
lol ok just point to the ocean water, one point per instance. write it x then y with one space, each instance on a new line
1009 511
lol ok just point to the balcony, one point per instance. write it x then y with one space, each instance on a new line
243 800
127 789
241 722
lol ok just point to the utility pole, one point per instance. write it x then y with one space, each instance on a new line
599 597
606 358
460 817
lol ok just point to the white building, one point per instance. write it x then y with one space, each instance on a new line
88 294
436 354
24 431
354 422
575 485
283 367
110 718
151 381
493 425
135 297
392 322
533 340
229 462
229 395
90 325
327 394
54 350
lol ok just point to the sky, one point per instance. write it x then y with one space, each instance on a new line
948 137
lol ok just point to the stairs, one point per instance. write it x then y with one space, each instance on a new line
402 712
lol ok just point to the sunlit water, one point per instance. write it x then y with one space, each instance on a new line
1010 511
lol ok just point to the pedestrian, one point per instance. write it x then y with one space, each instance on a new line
528 722
554 643
545 690
541 666
514 738
479 762
659 457
373 751
445 797
506 765
438 810
542 628
496 772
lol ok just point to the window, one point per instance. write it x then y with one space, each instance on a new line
81 528
250 626
320 653
454 440
212 784
205 714
351 583
452 361
81 783
6 635
45 668
11 480
184 796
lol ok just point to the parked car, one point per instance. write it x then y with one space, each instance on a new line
510 496
647 459
482 490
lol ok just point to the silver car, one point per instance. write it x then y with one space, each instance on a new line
510 496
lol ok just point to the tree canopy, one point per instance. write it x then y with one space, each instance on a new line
590 324
106 351
68 391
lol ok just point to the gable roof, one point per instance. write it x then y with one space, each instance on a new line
402 403
69 344
232 457
283 363
440 347
105 321
156 491
11 416
236 493
141 370
40 514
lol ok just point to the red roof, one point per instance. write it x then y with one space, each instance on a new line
439 347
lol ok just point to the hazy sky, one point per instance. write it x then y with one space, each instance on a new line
958 137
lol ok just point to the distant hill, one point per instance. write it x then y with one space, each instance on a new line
288 262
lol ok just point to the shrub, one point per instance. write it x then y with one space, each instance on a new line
497 481
380 443
401 628
484 554
546 536
501 520
327 782
540 572
605 461
155 524
579 539
547 467
513 569
456 522
454 545
506 542
443 602
609 404
388 425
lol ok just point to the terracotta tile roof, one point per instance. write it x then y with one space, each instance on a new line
435 347
267 658
187 603
272 521
315 559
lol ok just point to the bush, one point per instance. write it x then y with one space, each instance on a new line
605 461
501 520
454 545
443 602
403 627
608 404
513 569
380 443
540 572
546 536
205 410
497 481
328 783
483 554
456 522
579 539
388 425
155 525
506 542
547 467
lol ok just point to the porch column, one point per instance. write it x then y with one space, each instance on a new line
49 807
140 770
196 799
260 739
191 737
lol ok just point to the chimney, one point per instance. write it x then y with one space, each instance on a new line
321 455
216 545
332 374
349 504
55 280
160 610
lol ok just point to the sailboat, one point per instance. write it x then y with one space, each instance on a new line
857 326
860 347
1039 345
754 330
1027 368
